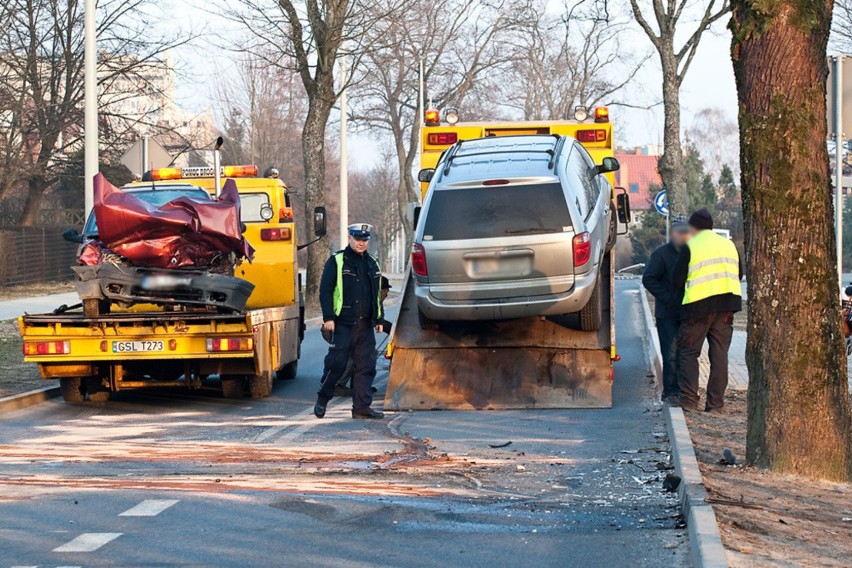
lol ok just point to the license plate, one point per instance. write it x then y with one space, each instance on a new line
516 266
137 346
165 282
485 266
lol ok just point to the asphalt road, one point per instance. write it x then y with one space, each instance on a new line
190 479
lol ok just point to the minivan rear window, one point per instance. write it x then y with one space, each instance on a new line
496 211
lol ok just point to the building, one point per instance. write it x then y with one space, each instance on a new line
639 175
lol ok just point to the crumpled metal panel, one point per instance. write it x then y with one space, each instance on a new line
181 233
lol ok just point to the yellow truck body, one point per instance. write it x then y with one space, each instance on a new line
148 346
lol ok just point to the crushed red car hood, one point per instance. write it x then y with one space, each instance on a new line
182 233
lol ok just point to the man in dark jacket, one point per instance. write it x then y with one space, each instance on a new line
709 272
351 310
659 281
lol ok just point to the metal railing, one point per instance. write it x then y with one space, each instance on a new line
33 255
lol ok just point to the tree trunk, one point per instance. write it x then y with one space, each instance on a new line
36 187
671 163
313 150
798 400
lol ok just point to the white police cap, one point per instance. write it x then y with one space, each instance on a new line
360 231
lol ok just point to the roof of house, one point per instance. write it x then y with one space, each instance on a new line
637 173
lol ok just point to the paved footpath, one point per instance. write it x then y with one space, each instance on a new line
11 309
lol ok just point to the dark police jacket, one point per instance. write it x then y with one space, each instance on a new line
350 288
659 280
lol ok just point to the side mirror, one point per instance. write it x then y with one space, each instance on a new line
608 164
319 222
416 216
72 236
622 206
426 175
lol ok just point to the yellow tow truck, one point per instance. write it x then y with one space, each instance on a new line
524 363
153 346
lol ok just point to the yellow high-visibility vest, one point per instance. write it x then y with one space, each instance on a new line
337 295
714 267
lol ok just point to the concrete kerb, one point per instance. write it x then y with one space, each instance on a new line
30 398
704 537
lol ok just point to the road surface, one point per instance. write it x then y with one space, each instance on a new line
190 479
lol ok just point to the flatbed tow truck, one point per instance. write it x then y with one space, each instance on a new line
154 346
525 363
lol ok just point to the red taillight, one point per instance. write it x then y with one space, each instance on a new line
495 182
597 135
47 347
418 259
230 344
443 138
582 249
279 234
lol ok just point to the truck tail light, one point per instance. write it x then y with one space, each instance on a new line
277 234
47 347
218 344
597 135
442 138
418 259
582 249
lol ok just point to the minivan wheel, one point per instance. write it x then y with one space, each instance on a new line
590 315
426 322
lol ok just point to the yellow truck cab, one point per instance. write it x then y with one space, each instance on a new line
151 346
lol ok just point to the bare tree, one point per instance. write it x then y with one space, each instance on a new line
462 44
798 400
661 24
310 36
41 76
841 25
713 133
568 60
374 194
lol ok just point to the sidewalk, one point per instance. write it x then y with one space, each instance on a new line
737 370
11 309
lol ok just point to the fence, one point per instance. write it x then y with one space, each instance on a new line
33 255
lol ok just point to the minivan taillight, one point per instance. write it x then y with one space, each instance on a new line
418 259
582 249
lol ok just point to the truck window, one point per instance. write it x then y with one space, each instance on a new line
496 211
583 166
250 205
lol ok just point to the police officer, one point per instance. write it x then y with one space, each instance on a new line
709 272
351 310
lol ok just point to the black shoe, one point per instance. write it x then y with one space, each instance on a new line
368 414
319 409
374 389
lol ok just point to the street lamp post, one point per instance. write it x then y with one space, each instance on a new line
90 94
344 160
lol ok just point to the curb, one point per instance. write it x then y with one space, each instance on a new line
706 542
29 398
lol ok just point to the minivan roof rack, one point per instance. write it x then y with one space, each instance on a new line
553 152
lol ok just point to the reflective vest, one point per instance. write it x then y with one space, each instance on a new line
714 267
337 296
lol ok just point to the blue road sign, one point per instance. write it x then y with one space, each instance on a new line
661 203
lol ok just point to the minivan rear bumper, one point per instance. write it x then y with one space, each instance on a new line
571 301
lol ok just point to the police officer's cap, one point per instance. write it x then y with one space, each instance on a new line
361 231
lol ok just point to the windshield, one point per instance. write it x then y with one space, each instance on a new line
251 205
496 211
156 197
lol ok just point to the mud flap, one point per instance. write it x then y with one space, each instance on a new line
526 363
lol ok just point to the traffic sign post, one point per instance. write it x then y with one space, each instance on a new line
661 204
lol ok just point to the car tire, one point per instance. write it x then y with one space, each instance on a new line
260 386
426 322
71 389
288 371
590 315
233 386
95 391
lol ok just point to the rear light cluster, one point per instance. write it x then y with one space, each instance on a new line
597 135
443 138
418 260
582 249
47 347
230 344
277 234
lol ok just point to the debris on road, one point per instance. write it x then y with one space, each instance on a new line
503 445
671 482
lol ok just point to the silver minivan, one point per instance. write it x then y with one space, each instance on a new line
513 227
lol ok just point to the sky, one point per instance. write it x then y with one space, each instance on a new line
709 81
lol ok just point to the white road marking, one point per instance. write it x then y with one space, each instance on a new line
149 508
69 567
87 542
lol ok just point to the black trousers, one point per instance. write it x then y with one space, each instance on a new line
357 342
667 332
717 329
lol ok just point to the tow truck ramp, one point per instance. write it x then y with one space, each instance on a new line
524 363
